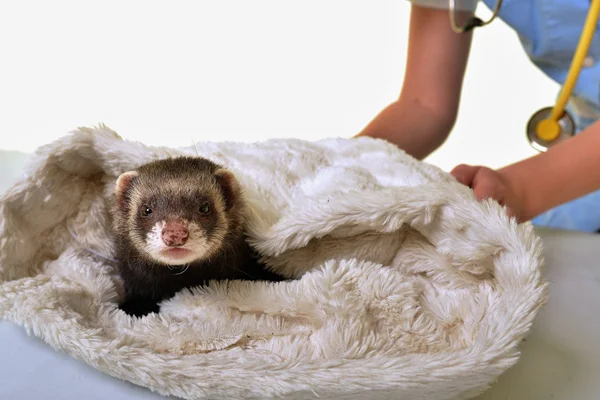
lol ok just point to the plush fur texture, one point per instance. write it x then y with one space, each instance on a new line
405 286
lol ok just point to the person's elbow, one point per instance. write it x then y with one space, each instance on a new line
444 119
416 126
438 120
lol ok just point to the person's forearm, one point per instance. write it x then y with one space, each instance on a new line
563 173
411 126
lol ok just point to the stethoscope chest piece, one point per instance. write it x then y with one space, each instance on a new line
544 132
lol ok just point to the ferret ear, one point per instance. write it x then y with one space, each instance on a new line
230 186
123 185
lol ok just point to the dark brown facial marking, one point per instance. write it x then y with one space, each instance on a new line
175 233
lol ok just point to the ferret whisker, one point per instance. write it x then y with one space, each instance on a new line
187 266
239 270
195 148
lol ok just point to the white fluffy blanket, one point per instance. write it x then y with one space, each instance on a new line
407 287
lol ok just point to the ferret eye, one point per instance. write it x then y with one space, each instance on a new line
146 211
205 208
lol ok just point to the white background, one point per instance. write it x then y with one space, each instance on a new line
175 71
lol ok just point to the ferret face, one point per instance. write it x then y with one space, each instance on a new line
176 216
178 228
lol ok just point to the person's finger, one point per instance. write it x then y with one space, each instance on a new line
486 184
464 174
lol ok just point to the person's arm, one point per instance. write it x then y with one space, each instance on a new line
425 112
537 184
563 173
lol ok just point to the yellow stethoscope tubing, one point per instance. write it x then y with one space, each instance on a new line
549 129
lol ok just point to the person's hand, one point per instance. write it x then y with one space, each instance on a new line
487 183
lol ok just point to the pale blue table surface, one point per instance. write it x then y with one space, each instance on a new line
560 360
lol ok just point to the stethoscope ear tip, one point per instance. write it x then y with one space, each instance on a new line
543 131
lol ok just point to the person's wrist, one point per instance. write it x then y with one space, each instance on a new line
516 185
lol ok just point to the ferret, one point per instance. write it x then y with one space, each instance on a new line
178 223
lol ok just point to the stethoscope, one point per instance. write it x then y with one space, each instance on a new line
550 125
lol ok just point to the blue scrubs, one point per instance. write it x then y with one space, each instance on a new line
549 32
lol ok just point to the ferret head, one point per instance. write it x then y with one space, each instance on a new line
179 210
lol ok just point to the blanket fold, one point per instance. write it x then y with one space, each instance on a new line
405 286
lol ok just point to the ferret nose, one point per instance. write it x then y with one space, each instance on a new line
174 233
